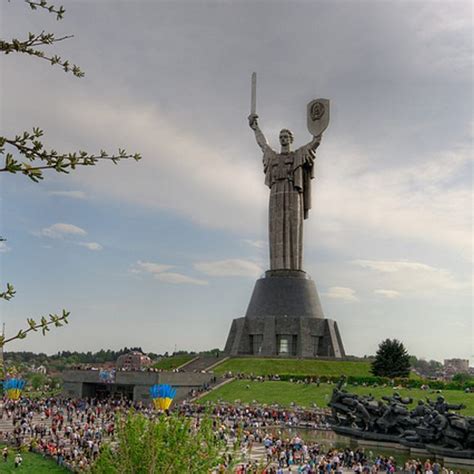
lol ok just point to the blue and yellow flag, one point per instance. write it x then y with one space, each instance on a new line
162 396
13 388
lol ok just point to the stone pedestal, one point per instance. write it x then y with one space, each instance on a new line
284 318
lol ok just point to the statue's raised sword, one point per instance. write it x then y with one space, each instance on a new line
253 97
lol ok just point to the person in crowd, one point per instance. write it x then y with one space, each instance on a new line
18 460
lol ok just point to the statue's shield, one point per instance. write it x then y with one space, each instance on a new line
318 116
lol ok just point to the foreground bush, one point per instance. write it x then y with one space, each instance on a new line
168 444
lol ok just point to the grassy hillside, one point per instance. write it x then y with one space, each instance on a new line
284 393
32 463
310 367
170 363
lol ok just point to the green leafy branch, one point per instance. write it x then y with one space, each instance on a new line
9 293
49 7
31 148
43 325
30 46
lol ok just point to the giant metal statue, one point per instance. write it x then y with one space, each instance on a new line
288 174
284 317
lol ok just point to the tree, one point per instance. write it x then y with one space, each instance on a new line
462 378
166 444
425 368
391 360
37 381
25 152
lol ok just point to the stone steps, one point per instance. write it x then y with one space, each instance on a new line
6 425
201 363
220 384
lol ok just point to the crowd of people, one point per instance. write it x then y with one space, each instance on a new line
292 455
235 416
87 367
69 431
73 431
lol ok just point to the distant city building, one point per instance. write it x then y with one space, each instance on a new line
455 366
133 361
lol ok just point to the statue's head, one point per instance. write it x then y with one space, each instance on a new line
286 137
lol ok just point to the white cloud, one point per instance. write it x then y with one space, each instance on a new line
413 277
70 194
390 294
4 247
150 267
444 29
59 230
426 202
178 279
230 267
91 245
341 293
159 272
180 171
387 266
259 244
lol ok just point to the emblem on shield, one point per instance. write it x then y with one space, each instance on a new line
318 116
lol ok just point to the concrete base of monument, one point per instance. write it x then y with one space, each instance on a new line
284 319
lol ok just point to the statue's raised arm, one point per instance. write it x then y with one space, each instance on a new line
259 136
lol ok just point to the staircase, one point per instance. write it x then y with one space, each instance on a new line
202 363
6 424
219 383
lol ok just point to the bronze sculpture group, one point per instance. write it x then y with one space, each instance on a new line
432 425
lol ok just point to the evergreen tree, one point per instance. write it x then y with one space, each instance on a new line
392 360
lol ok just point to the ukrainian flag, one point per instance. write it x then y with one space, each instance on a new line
13 388
162 396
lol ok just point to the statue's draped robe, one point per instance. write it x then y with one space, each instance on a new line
289 178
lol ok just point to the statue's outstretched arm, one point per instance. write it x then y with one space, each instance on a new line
259 136
314 143
309 150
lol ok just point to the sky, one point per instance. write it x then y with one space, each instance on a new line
164 253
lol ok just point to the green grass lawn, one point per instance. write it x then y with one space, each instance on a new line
310 367
32 464
170 363
284 393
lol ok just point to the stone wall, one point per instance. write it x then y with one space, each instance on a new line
84 383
